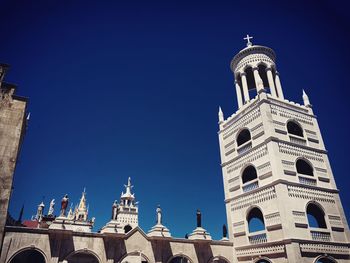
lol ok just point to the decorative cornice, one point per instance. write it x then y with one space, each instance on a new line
256 49
285 182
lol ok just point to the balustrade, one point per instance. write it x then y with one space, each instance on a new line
244 147
250 186
258 238
297 140
307 181
320 235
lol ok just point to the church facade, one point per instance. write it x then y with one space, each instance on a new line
281 199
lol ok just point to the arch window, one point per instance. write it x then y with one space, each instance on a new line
325 260
249 174
28 256
135 257
219 260
82 257
255 220
243 137
304 167
263 261
179 259
295 129
315 216
263 75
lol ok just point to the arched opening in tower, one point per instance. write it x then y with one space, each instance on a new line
315 216
28 256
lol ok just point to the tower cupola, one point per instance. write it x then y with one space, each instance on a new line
254 69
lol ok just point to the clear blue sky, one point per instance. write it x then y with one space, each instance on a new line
132 88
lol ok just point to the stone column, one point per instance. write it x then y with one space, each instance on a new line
239 94
258 81
278 86
271 82
245 87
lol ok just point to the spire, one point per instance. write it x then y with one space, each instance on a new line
81 211
128 195
70 212
82 203
306 99
221 115
20 214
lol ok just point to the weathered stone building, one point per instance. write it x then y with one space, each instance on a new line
12 128
281 199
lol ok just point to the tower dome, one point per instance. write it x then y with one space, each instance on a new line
254 69
253 56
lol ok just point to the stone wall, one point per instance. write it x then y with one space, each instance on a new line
12 127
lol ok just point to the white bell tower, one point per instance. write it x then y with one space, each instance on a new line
282 202
124 214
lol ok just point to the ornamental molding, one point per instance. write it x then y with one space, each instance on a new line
252 50
324 248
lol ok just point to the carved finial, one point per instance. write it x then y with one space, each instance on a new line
248 38
221 115
306 99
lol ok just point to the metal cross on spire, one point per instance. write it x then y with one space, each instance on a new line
248 38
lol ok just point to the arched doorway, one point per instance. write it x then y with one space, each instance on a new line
82 257
135 257
180 259
219 259
28 256
325 260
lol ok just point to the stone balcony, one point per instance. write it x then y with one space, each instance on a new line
259 237
320 234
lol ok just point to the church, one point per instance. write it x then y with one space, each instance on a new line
282 202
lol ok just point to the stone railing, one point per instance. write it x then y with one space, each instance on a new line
250 185
318 235
297 140
307 181
258 238
244 147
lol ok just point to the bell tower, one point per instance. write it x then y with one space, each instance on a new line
124 214
282 202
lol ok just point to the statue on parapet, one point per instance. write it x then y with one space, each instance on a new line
64 205
199 218
51 208
159 215
115 210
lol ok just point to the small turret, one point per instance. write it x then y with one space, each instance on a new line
125 214
306 99
81 211
221 115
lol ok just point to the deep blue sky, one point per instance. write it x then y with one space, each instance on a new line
132 88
